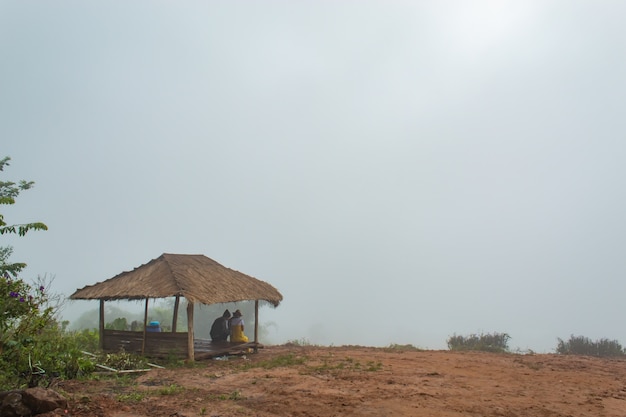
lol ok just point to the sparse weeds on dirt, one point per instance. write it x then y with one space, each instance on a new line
402 348
299 342
124 380
131 397
171 389
283 360
535 366
232 396
370 366
174 362
330 365
137 396
373 366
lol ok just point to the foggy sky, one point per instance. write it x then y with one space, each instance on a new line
400 171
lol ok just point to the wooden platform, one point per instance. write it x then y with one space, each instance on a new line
206 349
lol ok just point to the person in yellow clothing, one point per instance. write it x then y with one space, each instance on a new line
236 328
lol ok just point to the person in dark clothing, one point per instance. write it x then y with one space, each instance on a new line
220 330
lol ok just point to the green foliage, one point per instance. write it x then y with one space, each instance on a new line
7 269
90 319
485 342
8 193
20 229
10 190
581 345
34 346
119 323
52 351
26 315
23 311
87 339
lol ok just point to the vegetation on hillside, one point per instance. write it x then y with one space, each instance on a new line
486 342
581 345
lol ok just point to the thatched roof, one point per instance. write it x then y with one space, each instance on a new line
195 277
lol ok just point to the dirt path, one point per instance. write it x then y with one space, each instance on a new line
361 381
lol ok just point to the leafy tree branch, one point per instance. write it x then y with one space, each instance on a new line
9 191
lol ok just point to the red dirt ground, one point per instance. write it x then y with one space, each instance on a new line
363 381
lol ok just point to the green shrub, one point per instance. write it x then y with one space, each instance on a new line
402 348
43 357
24 311
485 342
581 345
35 346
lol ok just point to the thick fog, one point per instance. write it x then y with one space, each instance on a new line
400 171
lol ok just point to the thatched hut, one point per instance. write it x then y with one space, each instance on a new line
196 278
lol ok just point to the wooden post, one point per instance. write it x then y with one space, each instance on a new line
190 347
256 325
101 325
256 321
175 319
145 324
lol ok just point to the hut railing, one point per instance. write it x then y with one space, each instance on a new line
162 344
